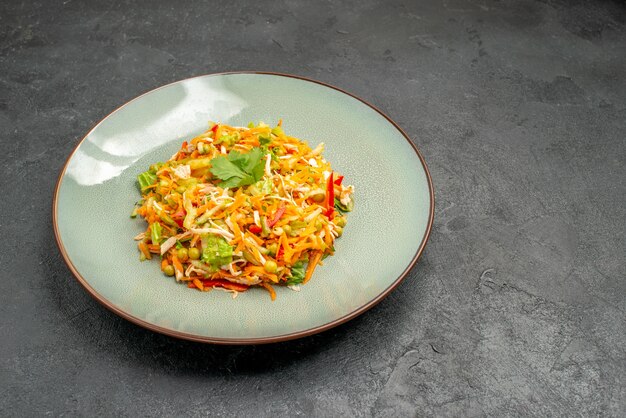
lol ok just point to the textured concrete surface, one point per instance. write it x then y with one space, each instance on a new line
518 306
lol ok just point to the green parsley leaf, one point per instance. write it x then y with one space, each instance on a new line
247 162
239 169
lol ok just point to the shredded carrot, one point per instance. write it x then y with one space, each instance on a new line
144 249
177 265
315 258
270 289
198 284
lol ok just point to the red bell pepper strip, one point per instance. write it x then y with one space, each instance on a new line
180 212
183 151
255 229
339 180
214 128
225 284
279 212
330 197
179 216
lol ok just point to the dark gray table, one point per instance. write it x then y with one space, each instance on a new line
518 305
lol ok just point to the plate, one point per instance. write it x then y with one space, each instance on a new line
385 234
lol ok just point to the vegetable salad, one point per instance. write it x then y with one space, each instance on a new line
237 207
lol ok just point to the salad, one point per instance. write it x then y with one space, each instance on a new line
238 207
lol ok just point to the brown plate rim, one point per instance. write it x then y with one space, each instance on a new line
243 341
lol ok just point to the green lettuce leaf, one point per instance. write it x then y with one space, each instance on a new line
297 273
215 251
156 233
145 179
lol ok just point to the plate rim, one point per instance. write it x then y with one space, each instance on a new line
256 340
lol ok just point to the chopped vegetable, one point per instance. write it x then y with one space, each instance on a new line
344 208
297 273
255 229
155 233
238 287
277 215
215 251
315 258
146 179
330 197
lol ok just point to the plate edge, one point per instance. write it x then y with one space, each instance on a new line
244 341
